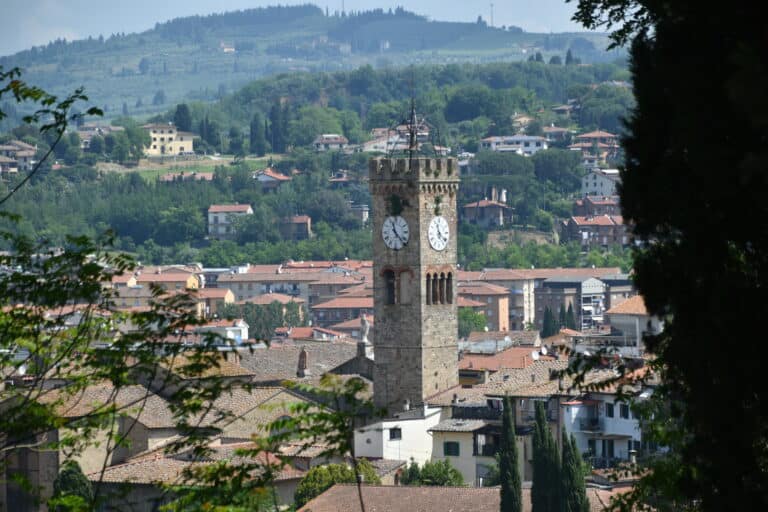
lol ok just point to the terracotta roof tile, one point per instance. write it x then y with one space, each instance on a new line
229 208
632 306
344 498
346 303
269 298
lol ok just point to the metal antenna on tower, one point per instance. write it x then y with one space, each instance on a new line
491 14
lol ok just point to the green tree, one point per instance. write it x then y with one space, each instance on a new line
555 60
411 475
676 265
258 142
321 478
182 117
96 145
72 491
570 318
159 97
545 493
438 473
549 324
573 492
509 473
562 317
469 321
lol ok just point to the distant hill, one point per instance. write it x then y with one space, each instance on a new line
205 57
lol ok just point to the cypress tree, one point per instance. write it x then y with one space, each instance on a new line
258 143
570 317
511 491
545 493
563 321
71 484
573 490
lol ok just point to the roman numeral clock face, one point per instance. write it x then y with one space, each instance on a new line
438 233
395 232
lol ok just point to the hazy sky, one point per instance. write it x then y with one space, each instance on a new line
24 23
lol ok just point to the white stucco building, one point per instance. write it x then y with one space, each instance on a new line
601 182
405 436
525 145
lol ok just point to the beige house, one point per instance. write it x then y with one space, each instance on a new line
495 299
222 218
166 140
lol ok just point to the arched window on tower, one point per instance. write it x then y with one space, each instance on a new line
442 288
428 293
449 288
435 289
390 283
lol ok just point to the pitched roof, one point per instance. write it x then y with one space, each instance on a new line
351 324
595 134
632 306
379 498
458 425
269 172
269 298
158 468
481 288
513 274
181 365
164 277
598 220
513 357
346 303
517 337
135 401
280 361
212 293
229 208
465 302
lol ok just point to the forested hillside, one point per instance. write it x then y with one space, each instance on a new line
205 57
278 118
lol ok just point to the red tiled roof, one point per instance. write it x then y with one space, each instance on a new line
212 293
595 134
346 303
632 306
271 173
599 220
379 498
481 288
229 208
351 324
164 277
514 357
269 298
465 302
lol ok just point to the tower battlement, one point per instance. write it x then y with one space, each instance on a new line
413 169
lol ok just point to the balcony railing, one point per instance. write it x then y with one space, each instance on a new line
591 425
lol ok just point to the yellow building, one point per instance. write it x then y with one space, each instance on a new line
167 140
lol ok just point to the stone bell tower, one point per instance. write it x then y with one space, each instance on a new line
414 263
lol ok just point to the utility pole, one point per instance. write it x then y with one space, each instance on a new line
491 14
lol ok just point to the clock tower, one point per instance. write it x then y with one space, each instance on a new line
414 264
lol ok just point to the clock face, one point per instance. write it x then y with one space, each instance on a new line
395 232
438 233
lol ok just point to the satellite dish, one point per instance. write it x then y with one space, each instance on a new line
485 328
22 370
535 355
543 351
586 353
